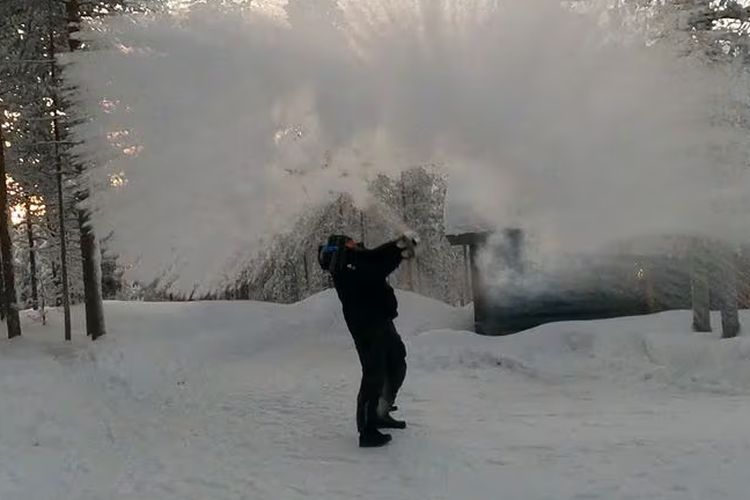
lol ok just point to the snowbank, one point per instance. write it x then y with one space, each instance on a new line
660 347
153 342
154 346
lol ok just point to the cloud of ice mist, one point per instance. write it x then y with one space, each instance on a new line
244 120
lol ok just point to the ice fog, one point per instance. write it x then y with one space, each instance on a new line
214 127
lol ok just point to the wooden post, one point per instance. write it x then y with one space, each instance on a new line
476 245
474 242
699 287
476 285
10 301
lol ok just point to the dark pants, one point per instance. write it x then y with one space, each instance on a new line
383 358
395 360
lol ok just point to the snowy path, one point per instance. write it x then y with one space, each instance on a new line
232 401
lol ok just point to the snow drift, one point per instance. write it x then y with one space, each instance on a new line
162 341
660 348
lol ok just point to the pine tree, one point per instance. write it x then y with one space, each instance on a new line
31 33
10 301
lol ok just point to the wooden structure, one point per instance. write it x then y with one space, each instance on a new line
583 288
473 244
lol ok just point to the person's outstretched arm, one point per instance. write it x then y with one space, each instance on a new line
383 260
379 262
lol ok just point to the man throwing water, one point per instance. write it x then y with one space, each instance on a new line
370 306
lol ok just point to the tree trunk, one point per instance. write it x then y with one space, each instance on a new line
63 243
73 16
90 252
2 292
466 293
701 297
307 273
730 320
409 264
295 294
699 287
6 249
43 305
92 278
32 257
59 179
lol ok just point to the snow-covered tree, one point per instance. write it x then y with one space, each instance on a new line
288 270
36 119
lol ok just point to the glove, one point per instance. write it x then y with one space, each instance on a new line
408 242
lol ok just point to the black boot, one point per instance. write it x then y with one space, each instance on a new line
373 439
388 422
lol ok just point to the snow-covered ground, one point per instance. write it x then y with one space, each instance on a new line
213 401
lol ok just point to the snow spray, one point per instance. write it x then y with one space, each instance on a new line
217 126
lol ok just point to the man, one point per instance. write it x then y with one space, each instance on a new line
370 306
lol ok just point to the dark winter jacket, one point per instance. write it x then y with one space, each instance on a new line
361 285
